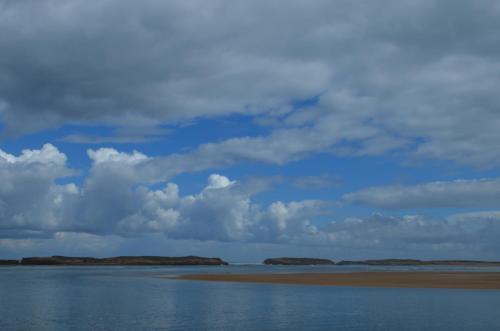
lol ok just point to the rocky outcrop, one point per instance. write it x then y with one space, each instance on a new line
123 260
412 262
9 262
298 261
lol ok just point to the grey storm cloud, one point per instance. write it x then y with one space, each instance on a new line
125 62
419 77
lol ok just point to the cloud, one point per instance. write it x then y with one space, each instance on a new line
458 235
112 156
71 243
280 147
222 211
315 182
420 77
122 135
481 193
120 63
113 203
113 200
216 181
48 155
30 201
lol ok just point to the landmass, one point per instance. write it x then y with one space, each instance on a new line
298 261
197 260
413 262
458 280
9 262
123 260
382 262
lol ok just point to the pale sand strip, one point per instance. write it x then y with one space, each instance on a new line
462 280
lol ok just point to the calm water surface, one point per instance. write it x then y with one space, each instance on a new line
136 298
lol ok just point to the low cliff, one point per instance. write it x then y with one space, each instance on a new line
298 261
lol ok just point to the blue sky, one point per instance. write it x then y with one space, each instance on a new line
249 130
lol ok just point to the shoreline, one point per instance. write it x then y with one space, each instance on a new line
388 279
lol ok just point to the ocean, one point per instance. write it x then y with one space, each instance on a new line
138 298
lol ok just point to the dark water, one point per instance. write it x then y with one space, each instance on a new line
135 298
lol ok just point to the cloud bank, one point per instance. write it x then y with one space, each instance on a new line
342 79
113 203
420 77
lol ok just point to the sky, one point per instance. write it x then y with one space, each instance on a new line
250 129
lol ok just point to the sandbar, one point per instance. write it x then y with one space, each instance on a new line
416 279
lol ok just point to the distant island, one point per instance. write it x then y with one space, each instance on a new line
413 262
197 260
382 262
118 260
298 261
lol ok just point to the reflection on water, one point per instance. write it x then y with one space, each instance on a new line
135 298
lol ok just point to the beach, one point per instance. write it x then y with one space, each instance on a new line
418 279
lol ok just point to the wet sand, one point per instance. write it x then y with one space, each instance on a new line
459 280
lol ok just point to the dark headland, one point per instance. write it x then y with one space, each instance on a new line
9 262
412 262
298 261
382 262
120 260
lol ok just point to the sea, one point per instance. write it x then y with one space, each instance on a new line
150 298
